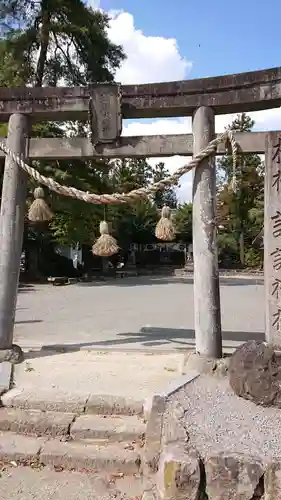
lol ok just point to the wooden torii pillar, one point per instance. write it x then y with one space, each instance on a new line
207 314
11 233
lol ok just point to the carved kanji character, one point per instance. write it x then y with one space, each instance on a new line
276 219
277 180
276 254
277 319
277 154
276 285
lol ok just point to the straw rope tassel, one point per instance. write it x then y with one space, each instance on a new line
106 245
165 229
39 210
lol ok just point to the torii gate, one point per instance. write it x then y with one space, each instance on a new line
105 106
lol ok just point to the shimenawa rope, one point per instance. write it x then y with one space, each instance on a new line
135 194
106 244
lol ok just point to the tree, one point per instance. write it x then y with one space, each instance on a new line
134 222
54 42
183 222
130 173
65 42
168 196
234 207
59 40
12 74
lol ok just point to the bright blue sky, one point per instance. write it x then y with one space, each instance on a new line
236 36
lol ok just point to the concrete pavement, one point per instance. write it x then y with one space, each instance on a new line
69 381
133 313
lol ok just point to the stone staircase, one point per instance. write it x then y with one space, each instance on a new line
99 438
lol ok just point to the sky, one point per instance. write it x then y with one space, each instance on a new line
184 39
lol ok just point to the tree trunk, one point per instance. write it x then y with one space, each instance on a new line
241 247
105 265
32 264
33 254
44 43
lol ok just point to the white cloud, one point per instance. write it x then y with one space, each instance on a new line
149 58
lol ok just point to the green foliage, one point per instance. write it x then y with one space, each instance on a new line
12 73
241 213
134 222
183 222
228 251
253 257
168 196
59 40
129 173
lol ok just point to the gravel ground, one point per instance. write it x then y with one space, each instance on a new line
218 421
22 483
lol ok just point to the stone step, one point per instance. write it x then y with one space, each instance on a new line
60 401
72 455
77 427
113 428
35 422
113 405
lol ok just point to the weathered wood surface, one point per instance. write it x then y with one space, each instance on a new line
207 318
13 206
138 147
251 91
272 239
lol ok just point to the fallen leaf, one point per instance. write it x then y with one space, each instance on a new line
29 368
58 468
117 474
128 447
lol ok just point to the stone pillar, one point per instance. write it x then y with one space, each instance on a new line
11 225
206 277
272 238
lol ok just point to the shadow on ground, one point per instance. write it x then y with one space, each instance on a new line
25 288
149 337
27 321
150 280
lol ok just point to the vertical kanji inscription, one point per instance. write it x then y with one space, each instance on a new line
272 238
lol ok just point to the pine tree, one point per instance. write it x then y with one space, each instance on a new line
60 41
54 42
235 208
183 222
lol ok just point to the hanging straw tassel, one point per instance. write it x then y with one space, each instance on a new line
39 210
106 245
165 229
